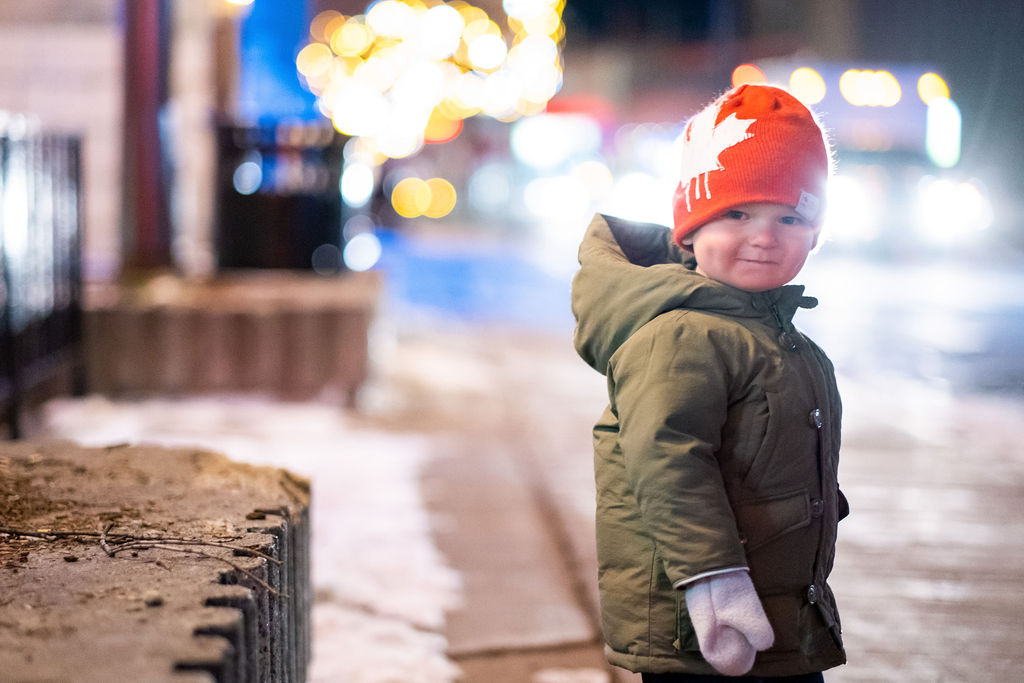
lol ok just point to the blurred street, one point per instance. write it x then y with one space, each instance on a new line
453 508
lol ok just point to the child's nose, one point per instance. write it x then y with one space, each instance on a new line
763 233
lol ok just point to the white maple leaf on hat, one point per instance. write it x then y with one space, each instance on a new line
704 143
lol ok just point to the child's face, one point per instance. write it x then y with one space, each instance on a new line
755 246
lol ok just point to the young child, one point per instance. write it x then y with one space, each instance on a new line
715 460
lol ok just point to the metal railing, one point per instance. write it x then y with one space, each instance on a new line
40 260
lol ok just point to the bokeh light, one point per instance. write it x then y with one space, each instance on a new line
326 259
945 209
942 132
870 88
747 73
248 177
931 87
357 184
413 197
489 187
442 127
362 252
551 139
851 215
442 198
595 176
807 85
404 74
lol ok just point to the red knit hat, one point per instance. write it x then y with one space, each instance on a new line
755 143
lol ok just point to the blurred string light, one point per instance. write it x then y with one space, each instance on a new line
408 72
747 73
870 88
807 85
413 197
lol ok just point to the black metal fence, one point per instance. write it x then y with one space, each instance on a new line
40 259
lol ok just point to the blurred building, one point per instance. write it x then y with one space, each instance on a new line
624 64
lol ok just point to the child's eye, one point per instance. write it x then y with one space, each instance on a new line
792 220
735 214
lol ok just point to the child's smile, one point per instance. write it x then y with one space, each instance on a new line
755 246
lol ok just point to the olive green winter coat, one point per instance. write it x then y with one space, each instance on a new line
718 450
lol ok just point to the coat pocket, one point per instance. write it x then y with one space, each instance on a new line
764 520
686 636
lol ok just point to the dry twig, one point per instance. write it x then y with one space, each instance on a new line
122 542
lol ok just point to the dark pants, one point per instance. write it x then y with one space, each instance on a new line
701 678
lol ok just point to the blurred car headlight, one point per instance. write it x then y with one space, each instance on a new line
852 215
947 210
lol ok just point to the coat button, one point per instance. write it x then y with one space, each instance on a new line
817 507
812 594
816 418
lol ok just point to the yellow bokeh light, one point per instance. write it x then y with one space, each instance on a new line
546 23
391 18
352 38
487 52
471 14
807 85
454 109
409 71
442 198
525 9
333 25
411 197
747 73
870 88
931 87
848 87
441 31
318 28
889 89
314 60
442 126
478 28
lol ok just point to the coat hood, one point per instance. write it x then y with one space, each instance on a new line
630 273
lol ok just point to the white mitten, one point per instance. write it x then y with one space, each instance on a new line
730 623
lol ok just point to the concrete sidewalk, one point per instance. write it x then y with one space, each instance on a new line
511 494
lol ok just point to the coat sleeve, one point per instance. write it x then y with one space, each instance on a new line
670 390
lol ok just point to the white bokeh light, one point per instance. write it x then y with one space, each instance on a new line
362 252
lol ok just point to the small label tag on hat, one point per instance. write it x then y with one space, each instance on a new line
808 206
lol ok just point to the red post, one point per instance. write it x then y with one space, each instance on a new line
145 215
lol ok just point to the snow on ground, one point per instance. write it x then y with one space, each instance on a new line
381 585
